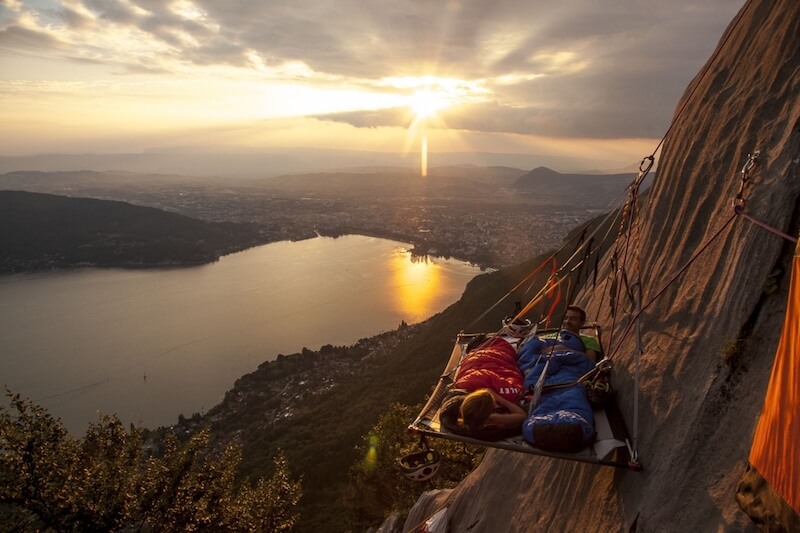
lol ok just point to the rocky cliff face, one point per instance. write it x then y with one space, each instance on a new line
709 340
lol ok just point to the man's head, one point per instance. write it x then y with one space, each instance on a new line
574 318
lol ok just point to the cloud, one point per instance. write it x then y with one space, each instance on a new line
19 38
568 68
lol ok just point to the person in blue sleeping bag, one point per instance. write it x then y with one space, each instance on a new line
563 419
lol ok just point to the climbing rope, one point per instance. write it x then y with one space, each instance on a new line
767 227
529 276
629 227
557 276
672 280
647 162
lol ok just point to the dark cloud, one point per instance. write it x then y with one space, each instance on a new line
114 11
162 21
398 117
218 52
73 19
17 38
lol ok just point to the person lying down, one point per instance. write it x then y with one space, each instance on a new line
485 402
494 384
563 418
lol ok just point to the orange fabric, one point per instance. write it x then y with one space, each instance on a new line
550 285
555 296
776 442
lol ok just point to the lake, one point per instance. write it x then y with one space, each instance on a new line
148 345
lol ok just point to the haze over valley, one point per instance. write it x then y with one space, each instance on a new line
491 216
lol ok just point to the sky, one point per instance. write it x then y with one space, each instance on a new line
600 79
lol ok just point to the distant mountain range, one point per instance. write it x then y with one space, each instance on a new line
540 186
240 162
582 187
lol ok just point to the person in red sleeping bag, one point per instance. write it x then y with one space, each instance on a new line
492 365
495 385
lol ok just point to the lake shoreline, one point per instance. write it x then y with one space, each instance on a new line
82 340
418 249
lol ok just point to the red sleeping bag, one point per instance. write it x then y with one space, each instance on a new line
493 365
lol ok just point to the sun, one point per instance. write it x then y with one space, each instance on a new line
427 103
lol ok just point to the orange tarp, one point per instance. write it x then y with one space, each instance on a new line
776 443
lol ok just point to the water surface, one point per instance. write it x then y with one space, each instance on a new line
148 345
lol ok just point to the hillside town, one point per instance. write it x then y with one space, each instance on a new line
492 233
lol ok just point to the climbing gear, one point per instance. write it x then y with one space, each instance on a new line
739 201
421 465
598 388
518 327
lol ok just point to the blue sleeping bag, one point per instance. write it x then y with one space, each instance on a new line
563 419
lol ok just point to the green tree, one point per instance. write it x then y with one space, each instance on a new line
107 481
377 486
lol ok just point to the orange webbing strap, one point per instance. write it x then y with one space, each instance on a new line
554 293
530 275
777 436
550 285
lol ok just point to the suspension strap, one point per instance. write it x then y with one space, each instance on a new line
601 366
637 373
583 265
629 227
555 298
776 231
552 257
671 281
511 291
613 288
739 201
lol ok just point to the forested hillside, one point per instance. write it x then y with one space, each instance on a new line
44 231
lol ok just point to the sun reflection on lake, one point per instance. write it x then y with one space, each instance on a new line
417 281
82 341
